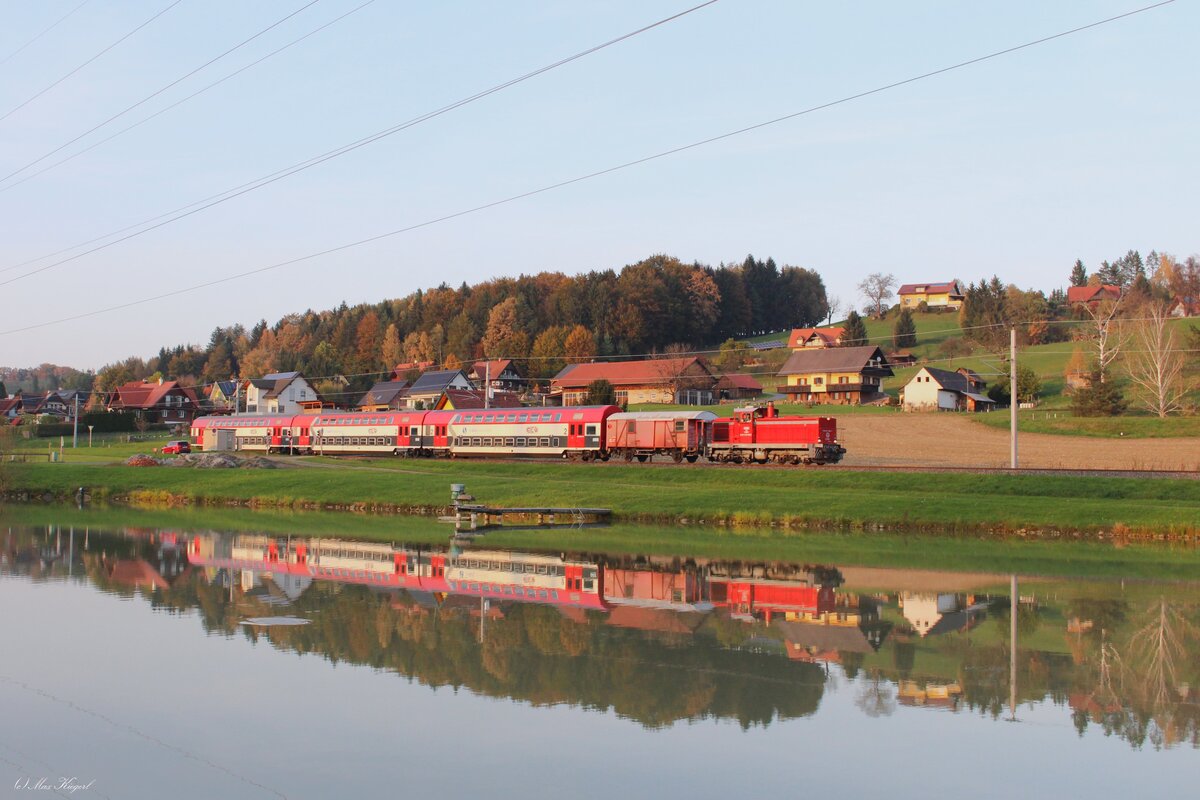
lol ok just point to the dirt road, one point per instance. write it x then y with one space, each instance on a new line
953 440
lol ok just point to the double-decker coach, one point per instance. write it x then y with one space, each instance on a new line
570 432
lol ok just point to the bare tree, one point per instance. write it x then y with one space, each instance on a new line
876 696
877 288
1106 332
1155 364
835 307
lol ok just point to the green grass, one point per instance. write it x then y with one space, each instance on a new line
911 501
1062 421
964 553
106 448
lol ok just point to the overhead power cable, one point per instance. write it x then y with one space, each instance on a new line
154 94
580 178
53 25
89 61
160 112
229 194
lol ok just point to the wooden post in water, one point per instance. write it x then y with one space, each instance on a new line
1013 604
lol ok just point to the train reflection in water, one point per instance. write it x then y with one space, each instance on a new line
817 621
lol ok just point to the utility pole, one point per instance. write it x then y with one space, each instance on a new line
487 384
1013 402
75 435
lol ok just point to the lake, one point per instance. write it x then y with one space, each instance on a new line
143 660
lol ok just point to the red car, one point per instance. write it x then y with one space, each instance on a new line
175 448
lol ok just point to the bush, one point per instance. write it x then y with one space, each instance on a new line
1098 399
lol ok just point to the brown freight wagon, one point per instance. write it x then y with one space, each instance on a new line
645 434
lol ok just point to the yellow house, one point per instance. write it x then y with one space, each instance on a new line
948 295
839 375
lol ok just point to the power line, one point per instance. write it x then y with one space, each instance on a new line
237 191
160 112
154 94
53 25
577 179
89 61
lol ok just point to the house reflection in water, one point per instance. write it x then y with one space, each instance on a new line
933 614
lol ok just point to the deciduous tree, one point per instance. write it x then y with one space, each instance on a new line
877 288
1155 363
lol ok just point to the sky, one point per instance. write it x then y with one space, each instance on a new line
1081 147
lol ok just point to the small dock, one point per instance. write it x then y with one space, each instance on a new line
471 516
474 517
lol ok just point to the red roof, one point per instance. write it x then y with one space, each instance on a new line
144 395
8 404
738 380
1093 294
948 287
649 372
829 336
492 369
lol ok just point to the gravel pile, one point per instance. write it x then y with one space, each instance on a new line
219 461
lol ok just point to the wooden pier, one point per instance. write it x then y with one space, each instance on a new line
473 517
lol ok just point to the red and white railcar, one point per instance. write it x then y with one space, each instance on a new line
571 432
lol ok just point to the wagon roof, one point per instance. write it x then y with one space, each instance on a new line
669 415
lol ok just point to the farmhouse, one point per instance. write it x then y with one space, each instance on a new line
428 388
10 407
948 295
738 386
281 393
164 401
501 373
656 380
842 375
224 395
1092 295
815 337
934 389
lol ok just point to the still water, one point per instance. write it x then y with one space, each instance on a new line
145 662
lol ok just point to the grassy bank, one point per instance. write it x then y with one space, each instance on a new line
967 553
742 497
1129 426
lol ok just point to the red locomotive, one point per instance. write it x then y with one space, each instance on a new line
586 433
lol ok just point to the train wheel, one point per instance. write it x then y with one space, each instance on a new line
586 456
692 459
642 459
677 457
628 456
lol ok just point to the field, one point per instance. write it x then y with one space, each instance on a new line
792 498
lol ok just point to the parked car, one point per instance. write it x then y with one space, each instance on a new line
177 447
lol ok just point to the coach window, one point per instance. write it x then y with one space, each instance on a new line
591 430
522 417
412 432
679 426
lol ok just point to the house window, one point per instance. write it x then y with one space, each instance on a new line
818 381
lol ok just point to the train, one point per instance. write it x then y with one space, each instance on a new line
753 435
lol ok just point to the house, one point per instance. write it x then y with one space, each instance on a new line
1183 307
162 401
934 389
427 389
385 396
738 386
1092 295
10 407
50 404
462 399
225 395
502 373
842 375
948 295
401 370
281 393
815 337
655 380
901 358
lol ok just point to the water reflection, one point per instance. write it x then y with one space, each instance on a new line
662 640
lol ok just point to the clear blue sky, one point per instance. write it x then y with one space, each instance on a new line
1080 148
